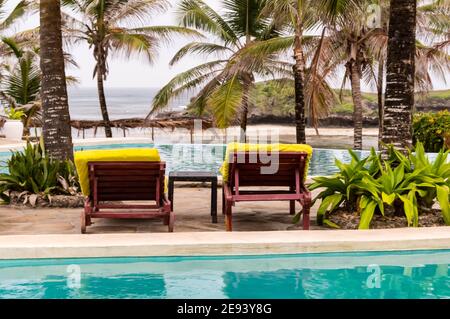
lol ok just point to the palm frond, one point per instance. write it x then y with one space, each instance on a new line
199 48
197 14
225 102
166 33
18 12
172 89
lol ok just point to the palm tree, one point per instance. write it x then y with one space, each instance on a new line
360 48
227 80
433 25
8 21
117 27
22 82
298 17
56 118
350 45
403 54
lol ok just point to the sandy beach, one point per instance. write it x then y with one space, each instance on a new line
336 138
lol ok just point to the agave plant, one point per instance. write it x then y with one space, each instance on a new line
401 185
341 189
31 172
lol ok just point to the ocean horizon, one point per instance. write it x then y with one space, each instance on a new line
121 102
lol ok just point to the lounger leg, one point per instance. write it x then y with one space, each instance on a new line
83 222
223 200
228 216
292 207
306 209
85 219
171 221
291 203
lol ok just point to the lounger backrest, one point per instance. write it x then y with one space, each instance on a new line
119 181
247 166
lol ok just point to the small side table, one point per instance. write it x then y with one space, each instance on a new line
191 176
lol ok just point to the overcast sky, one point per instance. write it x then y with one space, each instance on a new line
137 72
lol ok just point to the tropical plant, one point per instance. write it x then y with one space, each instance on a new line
401 185
117 27
341 188
31 172
226 82
56 128
431 129
13 114
22 82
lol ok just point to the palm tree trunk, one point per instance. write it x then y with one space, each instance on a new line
56 127
355 79
248 80
103 107
380 84
299 70
400 69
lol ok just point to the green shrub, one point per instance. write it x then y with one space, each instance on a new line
32 172
403 184
431 128
14 114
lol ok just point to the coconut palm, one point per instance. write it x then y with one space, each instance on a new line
349 43
432 41
298 17
56 118
7 21
226 80
427 41
400 74
117 26
360 47
18 12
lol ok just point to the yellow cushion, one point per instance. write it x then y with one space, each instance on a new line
125 155
241 147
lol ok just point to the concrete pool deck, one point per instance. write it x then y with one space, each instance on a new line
221 243
259 228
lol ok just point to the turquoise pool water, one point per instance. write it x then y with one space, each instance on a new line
209 157
413 274
200 157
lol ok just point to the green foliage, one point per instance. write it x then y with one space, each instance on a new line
402 184
431 128
14 114
32 172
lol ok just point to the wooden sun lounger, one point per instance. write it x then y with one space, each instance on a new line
247 172
111 183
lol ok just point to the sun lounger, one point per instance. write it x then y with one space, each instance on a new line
110 178
244 167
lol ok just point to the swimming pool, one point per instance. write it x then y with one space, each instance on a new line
209 157
408 274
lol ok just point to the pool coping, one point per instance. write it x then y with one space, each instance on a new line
221 243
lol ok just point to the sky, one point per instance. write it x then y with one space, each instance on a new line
138 72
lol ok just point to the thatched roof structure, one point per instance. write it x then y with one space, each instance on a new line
172 123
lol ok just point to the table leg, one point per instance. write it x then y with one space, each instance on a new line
171 186
214 200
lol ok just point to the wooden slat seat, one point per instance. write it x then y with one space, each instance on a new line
246 169
112 183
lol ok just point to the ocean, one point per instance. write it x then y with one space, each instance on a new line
122 102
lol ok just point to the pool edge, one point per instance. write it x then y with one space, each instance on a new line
221 243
